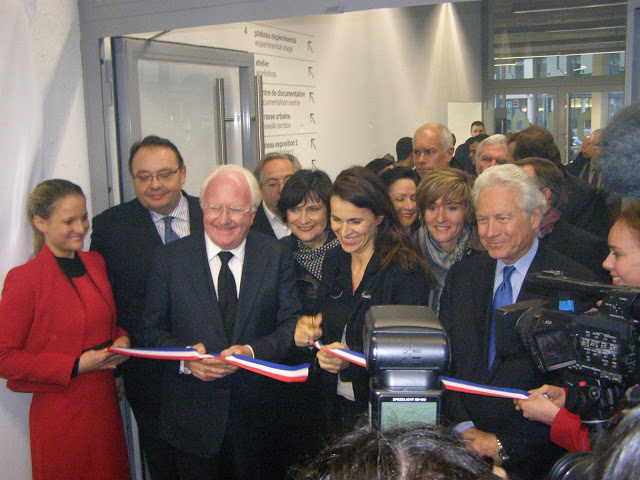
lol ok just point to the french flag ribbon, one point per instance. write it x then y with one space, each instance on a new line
348 355
284 373
476 388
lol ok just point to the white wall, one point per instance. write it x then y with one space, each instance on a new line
379 74
50 141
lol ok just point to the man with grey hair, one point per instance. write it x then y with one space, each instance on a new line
491 151
228 291
432 148
509 207
272 172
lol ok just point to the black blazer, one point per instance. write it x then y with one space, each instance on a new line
127 238
465 312
261 222
182 309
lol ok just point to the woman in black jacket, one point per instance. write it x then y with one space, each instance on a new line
378 265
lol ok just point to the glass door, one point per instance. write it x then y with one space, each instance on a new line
568 113
200 98
586 111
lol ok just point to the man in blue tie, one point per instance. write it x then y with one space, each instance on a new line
127 235
509 208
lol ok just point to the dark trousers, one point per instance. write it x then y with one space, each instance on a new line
143 383
236 460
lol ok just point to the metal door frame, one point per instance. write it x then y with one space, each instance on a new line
126 54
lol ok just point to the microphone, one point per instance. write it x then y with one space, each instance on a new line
619 159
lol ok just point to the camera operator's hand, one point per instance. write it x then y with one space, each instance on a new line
543 404
483 443
331 363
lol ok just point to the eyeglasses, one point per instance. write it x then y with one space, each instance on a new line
235 213
162 176
276 183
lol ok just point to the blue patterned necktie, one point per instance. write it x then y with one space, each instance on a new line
169 234
502 297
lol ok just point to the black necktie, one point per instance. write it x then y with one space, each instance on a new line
227 296
169 233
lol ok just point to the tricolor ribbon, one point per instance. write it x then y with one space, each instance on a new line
478 389
348 355
284 373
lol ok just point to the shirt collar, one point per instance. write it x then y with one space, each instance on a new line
270 215
181 211
523 263
213 250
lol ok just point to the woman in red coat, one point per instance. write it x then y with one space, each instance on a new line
57 318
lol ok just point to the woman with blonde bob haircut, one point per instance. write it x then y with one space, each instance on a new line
448 225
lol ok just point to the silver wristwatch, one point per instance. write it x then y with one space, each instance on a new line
502 452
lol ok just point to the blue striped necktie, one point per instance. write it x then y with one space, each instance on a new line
169 234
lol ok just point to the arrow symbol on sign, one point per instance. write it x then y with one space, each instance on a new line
313 120
313 143
309 46
311 97
311 72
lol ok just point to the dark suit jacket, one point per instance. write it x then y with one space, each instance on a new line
587 207
584 247
465 312
182 309
261 222
575 166
127 238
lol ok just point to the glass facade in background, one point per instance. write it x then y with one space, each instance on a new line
590 65
515 112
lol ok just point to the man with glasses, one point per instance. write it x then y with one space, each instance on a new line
127 235
229 291
272 173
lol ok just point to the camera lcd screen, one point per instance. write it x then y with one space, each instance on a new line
401 411
555 350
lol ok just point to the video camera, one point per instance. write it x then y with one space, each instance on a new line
601 345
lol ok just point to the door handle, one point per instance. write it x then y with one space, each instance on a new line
257 82
221 131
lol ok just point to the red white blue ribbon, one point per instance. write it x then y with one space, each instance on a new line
284 373
478 389
348 355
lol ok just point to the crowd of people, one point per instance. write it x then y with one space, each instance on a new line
266 265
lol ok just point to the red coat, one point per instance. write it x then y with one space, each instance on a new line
42 322
75 424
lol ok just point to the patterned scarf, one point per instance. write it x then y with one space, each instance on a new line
311 258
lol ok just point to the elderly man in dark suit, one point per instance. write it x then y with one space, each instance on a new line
126 236
229 291
509 207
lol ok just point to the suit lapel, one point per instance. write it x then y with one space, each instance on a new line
254 267
487 276
141 225
199 274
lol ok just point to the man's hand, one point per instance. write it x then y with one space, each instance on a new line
308 330
208 369
331 363
483 443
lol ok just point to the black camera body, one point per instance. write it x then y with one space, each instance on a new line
603 345
406 350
